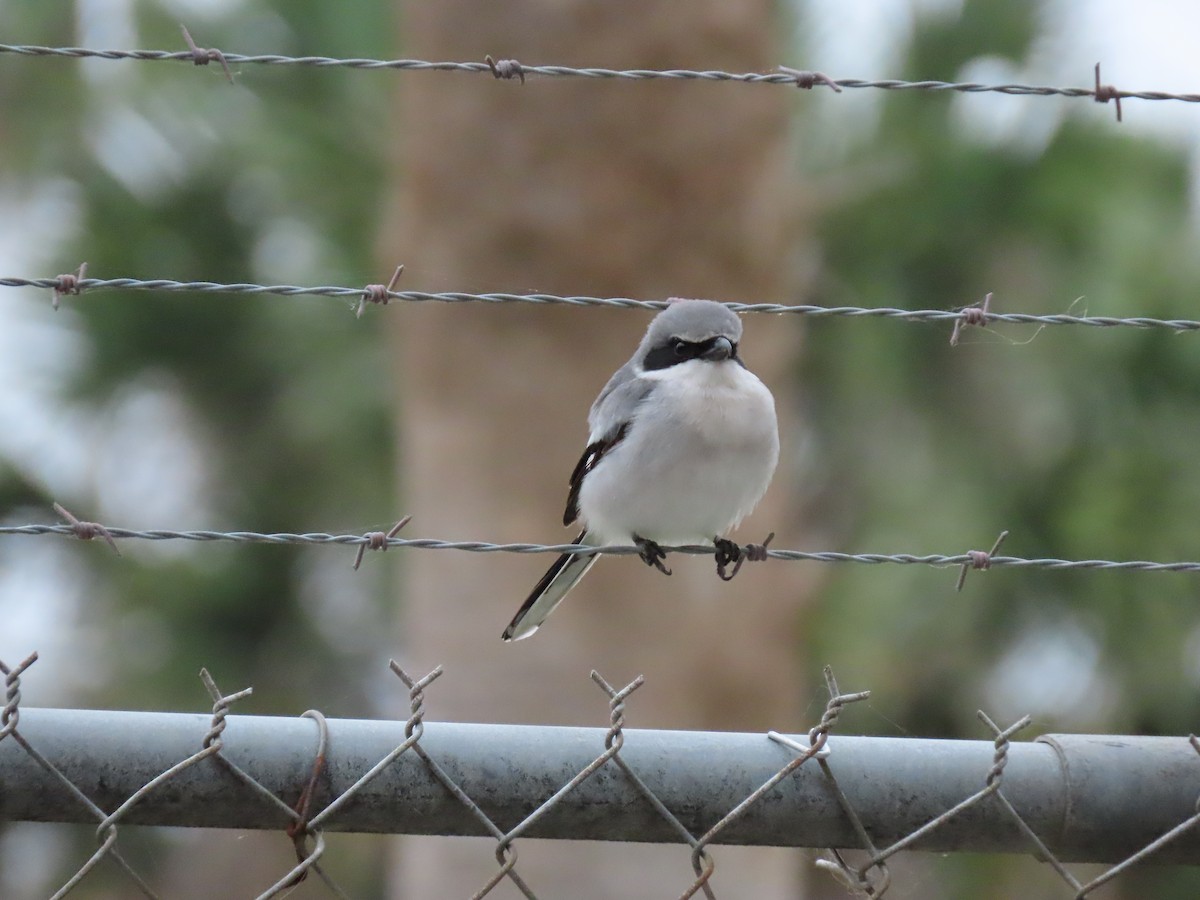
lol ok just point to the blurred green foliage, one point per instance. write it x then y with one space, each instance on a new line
276 174
177 173
1081 442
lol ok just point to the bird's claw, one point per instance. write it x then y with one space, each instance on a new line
651 554
729 552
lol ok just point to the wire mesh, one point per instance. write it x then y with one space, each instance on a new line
1047 797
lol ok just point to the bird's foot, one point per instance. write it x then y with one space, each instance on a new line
651 553
729 552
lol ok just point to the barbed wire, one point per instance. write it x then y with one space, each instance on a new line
970 315
971 559
510 69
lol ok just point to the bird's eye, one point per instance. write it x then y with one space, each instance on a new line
679 346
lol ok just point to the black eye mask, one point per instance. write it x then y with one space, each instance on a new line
677 350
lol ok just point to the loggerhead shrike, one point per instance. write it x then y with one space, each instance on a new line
683 443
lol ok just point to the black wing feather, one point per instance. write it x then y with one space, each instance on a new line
540 588
592 455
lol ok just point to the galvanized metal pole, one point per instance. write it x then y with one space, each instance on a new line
1093 798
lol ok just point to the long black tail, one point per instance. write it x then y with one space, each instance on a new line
549 592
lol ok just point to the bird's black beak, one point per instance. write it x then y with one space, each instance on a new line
720 348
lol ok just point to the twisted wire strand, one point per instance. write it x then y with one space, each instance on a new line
556 71
356 293
826 556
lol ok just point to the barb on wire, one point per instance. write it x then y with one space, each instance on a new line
379 293
378 540
782 77
505 68
68 283
202 56
808 80
978 559
167 285
971 315
1105 92
85 531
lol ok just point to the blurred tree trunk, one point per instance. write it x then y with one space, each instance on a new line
648 190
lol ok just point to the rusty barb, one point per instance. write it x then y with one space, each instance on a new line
976 314
69 283
978 559
507 69
202 56
378 293
85 531
378 540
1106 92
808 80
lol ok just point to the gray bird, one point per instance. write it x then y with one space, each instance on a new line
683 444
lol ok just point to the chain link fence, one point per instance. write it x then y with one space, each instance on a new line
1063 798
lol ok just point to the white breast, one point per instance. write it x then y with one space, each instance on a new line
700 452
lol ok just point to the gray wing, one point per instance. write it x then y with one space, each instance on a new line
617 402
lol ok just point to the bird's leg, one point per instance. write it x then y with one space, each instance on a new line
729 552
651 553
